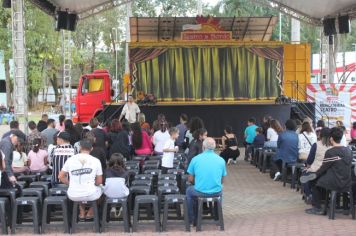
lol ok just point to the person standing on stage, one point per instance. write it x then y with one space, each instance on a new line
130 110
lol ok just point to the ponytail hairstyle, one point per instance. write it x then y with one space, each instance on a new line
116 162
136 135
36 145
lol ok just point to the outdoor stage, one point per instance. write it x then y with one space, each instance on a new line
215 116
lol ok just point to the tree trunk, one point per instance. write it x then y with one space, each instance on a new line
8 83
55 87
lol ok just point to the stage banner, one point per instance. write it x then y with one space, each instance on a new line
206 36
334 101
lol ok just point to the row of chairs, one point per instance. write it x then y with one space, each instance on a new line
291 172
159 194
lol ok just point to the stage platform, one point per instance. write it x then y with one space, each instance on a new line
215 116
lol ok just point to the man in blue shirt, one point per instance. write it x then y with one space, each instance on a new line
206 171
287 148
250 134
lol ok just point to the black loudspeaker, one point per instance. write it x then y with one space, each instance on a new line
72 21
329 26
66 21
6 3
61 20
344 24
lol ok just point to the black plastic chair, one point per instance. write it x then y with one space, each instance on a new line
217 202
95 223
107 221
48 204
174 200
167 177
144 200
4 216
167 182
34 202
331 202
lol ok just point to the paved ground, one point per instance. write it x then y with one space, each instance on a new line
255 205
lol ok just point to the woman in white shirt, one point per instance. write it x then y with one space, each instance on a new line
20 160
272 134
307 138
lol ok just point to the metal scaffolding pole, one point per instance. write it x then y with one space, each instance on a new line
19 56
128 36
67 76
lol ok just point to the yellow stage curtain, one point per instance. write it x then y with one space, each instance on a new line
209 74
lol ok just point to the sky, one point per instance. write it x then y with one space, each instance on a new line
210 2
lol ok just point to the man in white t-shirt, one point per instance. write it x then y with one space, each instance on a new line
169 149
85 176
160 137
130 110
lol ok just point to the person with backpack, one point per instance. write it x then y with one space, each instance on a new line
306 139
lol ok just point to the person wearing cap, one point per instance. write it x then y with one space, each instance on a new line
130 110
85 177
60 154
7 145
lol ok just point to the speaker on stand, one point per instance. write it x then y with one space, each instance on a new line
66 21
344 24
329 26
6 3
72 21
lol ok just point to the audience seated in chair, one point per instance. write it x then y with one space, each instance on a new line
249 134
20 160
85 177
38 158
115 177
287 148
272 134
315 159
196 145
307 138
334 174
206 171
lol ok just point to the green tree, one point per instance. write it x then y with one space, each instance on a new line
5 46
43 57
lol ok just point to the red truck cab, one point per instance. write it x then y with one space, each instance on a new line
94 90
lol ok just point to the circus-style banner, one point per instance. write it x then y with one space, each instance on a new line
334 101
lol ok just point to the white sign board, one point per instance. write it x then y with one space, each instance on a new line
334 101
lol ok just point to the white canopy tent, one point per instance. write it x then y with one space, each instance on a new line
311 11
314 11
